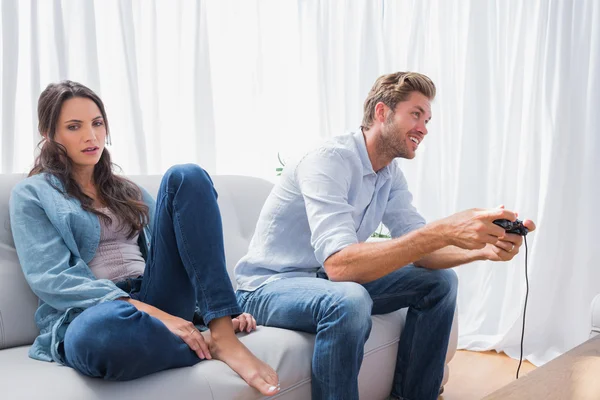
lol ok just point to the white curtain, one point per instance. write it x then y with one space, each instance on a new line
148 61
229 84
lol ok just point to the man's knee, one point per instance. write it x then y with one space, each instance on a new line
448 282
443 287
352 305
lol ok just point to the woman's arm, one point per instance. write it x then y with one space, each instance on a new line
53 272
186 329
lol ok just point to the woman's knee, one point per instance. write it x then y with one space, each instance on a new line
100 333
188 173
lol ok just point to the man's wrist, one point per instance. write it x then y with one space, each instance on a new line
437 234
478 255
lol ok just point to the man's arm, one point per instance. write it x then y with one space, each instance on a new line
366 262
505 249
449 257
467 230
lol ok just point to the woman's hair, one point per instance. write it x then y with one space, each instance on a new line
394 88
120 195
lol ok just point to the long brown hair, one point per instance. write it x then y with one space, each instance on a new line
120 195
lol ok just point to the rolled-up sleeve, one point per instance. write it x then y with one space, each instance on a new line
54 274
400 216
324 181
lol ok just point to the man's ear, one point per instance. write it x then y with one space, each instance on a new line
380 112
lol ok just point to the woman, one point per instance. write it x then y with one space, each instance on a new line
119 277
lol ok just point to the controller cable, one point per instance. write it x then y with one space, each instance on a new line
525 308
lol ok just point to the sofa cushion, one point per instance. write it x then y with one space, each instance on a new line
17 301
287 351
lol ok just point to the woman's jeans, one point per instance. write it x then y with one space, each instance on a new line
185 268
340 315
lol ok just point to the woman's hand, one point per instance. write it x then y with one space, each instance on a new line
244 322
188 333
178 326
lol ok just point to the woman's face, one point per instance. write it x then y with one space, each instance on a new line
81 130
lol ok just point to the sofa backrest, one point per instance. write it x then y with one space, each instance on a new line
240 201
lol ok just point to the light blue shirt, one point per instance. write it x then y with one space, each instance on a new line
330 199
55 240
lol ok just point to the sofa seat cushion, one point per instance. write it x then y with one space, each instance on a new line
289 352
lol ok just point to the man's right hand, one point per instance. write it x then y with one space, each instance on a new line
473 229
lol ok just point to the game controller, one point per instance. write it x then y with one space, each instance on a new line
520 229
512 226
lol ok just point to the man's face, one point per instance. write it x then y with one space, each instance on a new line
405 128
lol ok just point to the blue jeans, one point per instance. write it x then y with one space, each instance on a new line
185 267
340 315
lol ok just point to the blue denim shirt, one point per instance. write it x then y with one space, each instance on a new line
55 239
330 199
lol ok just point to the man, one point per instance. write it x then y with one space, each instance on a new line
308 267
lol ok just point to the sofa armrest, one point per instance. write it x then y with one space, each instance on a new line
452 345
595 311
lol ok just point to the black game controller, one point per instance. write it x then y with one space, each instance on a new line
520 229
512 226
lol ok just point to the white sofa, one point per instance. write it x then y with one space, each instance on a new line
289 352
595 311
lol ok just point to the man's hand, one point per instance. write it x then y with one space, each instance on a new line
244 322
475 229
507 247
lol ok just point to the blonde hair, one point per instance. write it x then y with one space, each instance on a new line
394 88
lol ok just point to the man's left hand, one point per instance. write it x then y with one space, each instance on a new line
508 246
244 323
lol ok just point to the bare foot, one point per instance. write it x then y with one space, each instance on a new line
225 346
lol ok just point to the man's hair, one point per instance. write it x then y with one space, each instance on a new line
394 88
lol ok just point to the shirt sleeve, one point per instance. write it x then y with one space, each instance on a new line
400 216
324 179
55 275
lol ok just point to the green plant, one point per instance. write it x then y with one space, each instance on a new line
279 170
379 233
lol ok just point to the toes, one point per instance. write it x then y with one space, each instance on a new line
273 389
268 389
271 380
271 377
267 382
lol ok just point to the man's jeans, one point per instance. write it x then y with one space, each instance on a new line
340 315
185 266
